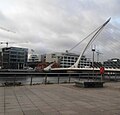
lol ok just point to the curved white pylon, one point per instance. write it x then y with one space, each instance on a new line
93 38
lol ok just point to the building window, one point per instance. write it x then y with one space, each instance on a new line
53 55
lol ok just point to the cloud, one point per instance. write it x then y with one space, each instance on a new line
58 25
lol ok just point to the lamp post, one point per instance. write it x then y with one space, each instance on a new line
93 50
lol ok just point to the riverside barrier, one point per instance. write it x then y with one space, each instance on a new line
12 78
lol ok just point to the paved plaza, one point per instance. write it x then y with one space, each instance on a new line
62 99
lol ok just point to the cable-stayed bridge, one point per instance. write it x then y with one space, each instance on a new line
74 67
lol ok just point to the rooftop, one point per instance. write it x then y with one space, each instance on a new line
63 99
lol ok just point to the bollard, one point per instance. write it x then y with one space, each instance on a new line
115 78
31 81
69 78
58 79
45 79
14 80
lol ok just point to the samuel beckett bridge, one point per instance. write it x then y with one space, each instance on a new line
70 72
75 67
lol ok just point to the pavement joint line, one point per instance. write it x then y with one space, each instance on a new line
4 101
18 101
30 99
40 98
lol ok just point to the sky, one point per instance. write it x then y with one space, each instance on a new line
48 26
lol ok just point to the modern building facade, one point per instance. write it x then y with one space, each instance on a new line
14 57
112 63
67 59
33 58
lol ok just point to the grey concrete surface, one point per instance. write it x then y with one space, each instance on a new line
65 99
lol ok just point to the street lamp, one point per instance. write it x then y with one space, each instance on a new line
93 50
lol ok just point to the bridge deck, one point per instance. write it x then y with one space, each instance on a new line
63 99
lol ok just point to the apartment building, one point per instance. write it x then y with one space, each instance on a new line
67 59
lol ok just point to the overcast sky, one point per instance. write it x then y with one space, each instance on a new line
57 25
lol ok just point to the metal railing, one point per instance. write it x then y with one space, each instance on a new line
57 78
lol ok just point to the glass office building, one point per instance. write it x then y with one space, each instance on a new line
14 57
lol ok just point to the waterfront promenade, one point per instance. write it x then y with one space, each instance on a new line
62 99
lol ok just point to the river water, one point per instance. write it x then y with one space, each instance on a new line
41 79
36 80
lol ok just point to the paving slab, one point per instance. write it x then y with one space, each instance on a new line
62 99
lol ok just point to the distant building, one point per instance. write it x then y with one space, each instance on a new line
112 63
33 58
66 59
14 57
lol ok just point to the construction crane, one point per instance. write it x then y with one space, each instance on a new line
6 43
6 30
